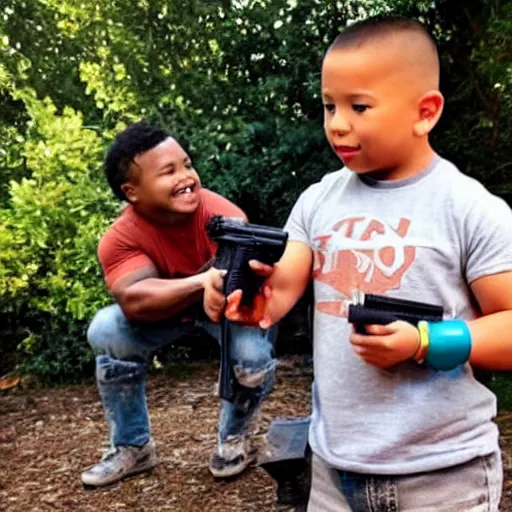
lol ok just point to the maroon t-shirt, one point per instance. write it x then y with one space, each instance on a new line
177 250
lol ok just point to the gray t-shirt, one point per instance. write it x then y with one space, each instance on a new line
424 238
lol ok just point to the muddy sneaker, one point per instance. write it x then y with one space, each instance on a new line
119 463
231 457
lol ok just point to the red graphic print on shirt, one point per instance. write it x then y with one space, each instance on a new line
364 254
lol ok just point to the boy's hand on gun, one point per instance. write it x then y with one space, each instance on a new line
216 304
387 345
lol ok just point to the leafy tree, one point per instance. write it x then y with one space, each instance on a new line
237 82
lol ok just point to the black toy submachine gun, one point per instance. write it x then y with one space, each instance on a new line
238 242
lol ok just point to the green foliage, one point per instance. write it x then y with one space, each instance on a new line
48 234
476 127
236 81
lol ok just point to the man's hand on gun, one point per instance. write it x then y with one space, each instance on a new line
213 297
216 304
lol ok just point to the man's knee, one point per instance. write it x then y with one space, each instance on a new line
254 358
107 330
255 376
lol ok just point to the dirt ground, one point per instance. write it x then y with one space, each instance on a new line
48 436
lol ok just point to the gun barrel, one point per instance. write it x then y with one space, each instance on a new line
250 240
363 315
220 227
401 305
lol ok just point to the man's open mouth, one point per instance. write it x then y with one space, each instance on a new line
185 190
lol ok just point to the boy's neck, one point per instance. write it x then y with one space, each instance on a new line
418 161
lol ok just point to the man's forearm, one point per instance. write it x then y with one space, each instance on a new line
492 341
157 299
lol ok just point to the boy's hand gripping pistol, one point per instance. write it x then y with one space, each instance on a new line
376 309
238 242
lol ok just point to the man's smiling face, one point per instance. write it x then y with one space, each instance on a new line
163 184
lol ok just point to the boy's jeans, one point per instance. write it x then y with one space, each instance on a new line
126 348
471 487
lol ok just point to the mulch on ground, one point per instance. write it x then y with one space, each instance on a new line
48 436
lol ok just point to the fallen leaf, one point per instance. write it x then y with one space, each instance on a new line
9 381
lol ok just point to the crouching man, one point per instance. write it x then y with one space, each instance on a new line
152 258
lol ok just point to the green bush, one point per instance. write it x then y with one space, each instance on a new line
49 230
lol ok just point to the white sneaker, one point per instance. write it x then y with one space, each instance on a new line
120 462
231 457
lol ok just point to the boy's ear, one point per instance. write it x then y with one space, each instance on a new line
130 191
430 108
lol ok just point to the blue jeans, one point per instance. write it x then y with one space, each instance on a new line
125 348
474 486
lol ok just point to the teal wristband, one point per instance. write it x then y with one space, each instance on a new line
449 344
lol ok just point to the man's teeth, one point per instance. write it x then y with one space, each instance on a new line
186 190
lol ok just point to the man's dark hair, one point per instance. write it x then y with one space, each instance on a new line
378 27
134 140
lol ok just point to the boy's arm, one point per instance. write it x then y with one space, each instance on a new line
491 334
286 282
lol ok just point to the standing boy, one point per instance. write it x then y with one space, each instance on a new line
389 430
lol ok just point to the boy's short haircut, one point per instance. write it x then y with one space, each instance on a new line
377 28
134 140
